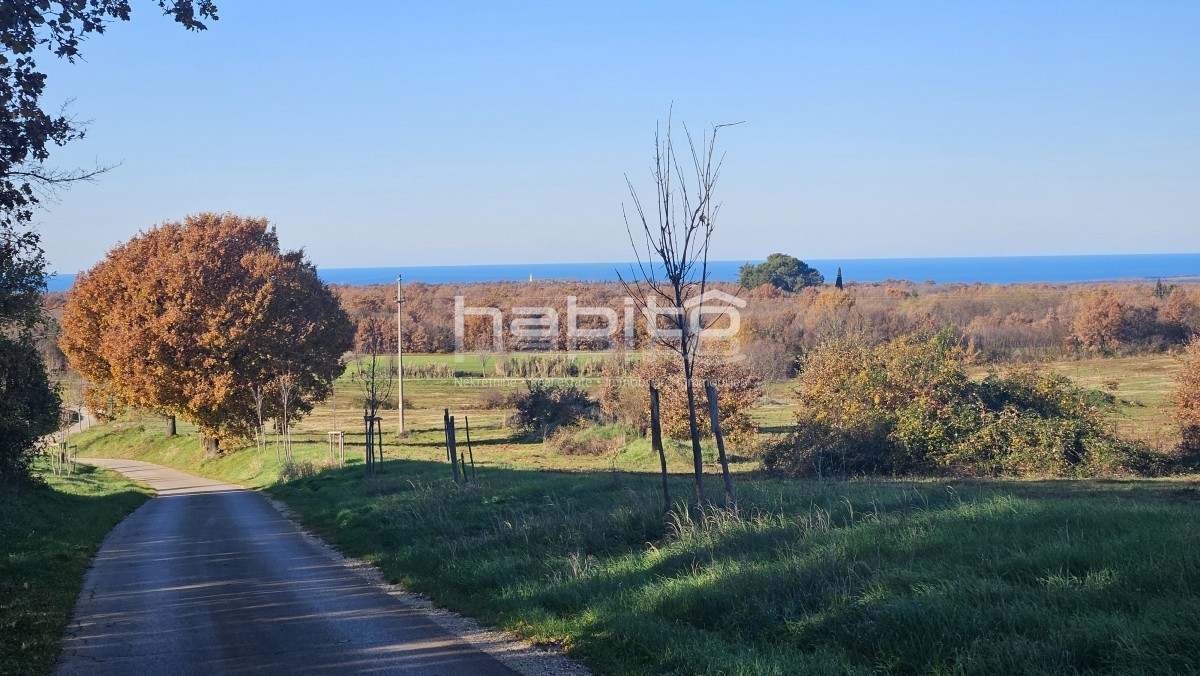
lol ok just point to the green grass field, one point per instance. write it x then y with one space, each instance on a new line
1142 386
809 577
1097 576
48 535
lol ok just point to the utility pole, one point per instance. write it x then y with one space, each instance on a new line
400 348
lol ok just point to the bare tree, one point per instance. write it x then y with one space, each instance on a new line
376 379
672 259
286 385
484 353
260 433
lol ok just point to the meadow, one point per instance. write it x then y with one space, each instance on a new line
861 576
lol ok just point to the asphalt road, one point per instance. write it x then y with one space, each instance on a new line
209 578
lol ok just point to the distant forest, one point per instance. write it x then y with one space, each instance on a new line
996 323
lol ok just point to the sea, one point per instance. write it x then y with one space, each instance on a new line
966 270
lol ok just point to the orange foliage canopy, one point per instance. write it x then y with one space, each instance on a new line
190 317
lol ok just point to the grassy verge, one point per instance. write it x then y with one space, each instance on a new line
859 577
48 535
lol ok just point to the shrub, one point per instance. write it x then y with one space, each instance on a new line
628 400
909 407
387 404
428 371
544 408
294 470
596 440
1188 399
493 398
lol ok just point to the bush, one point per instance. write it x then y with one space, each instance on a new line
429 371
388 404
737 386
596 440
908 407
294 470
545 408
492 398
1188 399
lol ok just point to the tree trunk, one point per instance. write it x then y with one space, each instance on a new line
211 449
170 426
694 429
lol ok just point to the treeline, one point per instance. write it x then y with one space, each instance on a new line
996 322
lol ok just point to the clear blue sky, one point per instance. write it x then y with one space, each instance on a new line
379 134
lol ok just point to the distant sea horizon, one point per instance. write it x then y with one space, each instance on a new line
957 270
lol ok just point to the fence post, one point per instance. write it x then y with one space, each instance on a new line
379 437
657 444
713 412
368 440
470 452
453 451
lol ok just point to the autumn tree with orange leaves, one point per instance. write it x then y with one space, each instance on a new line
191 318
1101 321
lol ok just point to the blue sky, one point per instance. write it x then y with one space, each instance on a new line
402 134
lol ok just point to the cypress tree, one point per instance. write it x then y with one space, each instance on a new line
838 282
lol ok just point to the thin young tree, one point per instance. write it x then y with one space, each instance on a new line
376 379
672 258
259 392
286 386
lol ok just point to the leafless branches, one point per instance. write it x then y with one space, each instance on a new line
672 259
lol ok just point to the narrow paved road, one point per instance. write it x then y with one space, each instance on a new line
208 578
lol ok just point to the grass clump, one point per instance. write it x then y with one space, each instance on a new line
48 535
592 440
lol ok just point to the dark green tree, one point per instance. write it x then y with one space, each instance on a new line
29 407
838 282
781 271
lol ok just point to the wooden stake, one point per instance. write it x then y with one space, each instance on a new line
379 437
453 452
713 412
657 444
446 427
467 425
